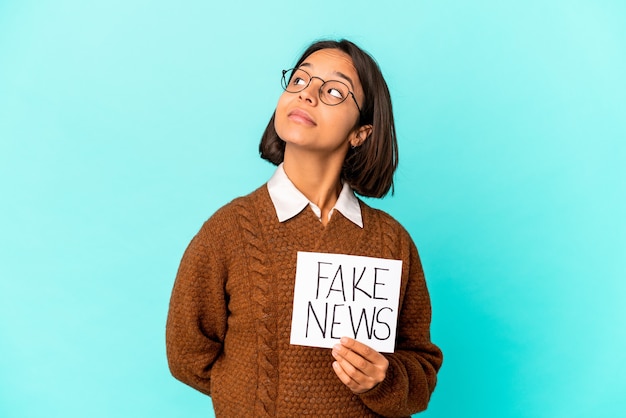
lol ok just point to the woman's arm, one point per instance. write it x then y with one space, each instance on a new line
196 322
411 374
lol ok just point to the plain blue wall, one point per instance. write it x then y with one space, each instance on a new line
125 124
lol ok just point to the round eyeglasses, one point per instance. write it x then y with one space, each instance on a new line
332 92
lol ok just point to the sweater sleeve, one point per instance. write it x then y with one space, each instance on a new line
196 322
413 367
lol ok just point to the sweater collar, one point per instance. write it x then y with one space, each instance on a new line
289 201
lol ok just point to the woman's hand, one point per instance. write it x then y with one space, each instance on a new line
358 366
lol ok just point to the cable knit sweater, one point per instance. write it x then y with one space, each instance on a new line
229 319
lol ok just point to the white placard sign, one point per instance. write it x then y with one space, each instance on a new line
340 295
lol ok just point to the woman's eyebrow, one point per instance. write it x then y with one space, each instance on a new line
338 73
348 79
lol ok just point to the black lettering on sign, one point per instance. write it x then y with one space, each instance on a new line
333 323
369 327
371 323
355 284
319 325
377 283
339 274
319 276
386 325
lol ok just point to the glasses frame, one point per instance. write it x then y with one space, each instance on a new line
285 83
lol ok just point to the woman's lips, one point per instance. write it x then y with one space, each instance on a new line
299 115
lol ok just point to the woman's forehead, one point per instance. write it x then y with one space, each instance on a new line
332 63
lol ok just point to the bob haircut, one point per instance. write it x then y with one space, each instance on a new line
368 168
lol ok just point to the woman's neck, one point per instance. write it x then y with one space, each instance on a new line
318 178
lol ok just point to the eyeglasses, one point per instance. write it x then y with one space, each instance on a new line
332 92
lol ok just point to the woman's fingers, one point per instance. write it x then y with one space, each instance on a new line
358 366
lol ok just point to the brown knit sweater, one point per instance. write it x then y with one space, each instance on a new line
229 321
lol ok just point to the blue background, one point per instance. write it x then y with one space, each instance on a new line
125 124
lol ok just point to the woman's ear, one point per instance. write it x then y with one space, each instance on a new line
360 135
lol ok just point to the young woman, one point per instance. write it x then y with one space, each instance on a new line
228 329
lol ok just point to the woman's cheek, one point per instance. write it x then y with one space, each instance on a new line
280 116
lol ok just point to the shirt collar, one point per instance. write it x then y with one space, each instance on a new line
289 201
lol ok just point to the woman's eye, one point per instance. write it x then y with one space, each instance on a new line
297 81
335 93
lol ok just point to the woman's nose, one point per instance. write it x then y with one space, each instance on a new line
311 93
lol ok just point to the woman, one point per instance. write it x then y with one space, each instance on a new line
230 314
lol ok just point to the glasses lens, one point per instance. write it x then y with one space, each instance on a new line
334 92
295 80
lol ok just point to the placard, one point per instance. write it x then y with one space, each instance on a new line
340 295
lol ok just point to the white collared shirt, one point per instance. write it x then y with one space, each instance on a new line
289 201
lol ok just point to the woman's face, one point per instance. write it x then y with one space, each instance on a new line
302 120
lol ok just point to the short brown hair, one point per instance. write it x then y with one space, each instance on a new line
368 168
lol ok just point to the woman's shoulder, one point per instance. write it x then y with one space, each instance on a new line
392 235
379 221
229 215
239 203
380 217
